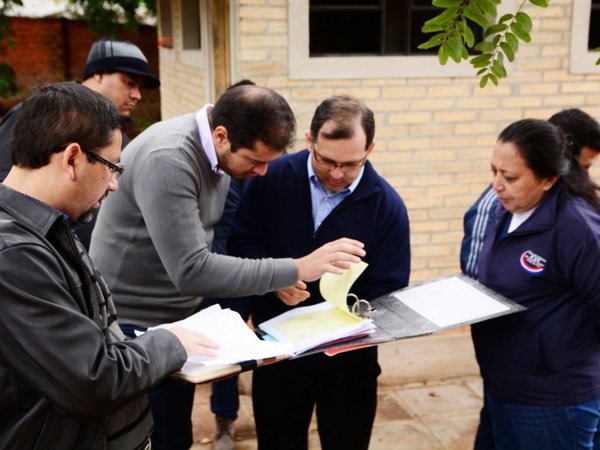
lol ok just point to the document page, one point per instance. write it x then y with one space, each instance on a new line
450 301
238 342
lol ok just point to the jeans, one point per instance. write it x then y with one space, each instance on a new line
528 427
224 399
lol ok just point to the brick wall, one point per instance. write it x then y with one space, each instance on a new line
49 50
184 85
434 135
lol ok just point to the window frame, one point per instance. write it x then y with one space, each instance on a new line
302 66
196 57
582 60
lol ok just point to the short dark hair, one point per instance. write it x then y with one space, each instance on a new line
57 114
580 129
251 113
343 110
543 147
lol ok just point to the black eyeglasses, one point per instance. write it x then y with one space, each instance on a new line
116 169
330 164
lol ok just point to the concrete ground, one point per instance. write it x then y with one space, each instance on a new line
430 394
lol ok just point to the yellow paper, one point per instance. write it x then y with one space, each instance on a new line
335 288
302 327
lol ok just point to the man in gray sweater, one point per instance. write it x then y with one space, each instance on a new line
152 239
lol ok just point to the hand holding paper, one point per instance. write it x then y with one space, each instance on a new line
194 343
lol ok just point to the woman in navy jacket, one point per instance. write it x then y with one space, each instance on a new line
541 367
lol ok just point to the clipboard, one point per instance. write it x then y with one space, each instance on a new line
396 317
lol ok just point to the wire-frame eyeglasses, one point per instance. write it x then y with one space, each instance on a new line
329 164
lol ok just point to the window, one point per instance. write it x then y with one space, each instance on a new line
387 27
366 39
190 25
585 36
194 40
594 34
166 19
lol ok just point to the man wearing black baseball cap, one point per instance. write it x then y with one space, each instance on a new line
115 69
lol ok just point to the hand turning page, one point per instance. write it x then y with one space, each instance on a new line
307 327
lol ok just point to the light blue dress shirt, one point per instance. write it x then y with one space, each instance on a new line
323 201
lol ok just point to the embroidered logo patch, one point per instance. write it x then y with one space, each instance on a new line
532 263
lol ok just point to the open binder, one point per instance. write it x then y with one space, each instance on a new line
419 310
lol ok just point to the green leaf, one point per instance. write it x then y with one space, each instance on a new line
434 41
429 27
494 79
481 71
524 20
444 20
481 61
512 40
468 36
442 55
483 81
454 47
505 17
520 32
487 7
494 29
473 13
498 69
507 51
542 3
485 46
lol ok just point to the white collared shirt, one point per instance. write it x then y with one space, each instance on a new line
206 138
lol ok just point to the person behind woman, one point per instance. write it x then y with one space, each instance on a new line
541 367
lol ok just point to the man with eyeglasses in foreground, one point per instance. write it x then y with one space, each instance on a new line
306 199
69 378
152 239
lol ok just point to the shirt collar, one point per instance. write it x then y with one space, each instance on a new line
206 138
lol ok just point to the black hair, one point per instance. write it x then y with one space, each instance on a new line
580 129
57 114
543 147
343 110
251 113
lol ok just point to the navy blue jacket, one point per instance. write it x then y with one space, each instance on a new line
550 353
275 220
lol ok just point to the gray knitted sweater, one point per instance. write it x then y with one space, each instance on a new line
152 237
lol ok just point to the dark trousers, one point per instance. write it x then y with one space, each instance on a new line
345 396
171 403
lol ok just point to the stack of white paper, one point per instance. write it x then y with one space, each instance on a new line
237 341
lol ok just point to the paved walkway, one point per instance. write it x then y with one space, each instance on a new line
429 399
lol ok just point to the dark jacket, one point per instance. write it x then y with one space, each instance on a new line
550 353
67 378
275 220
